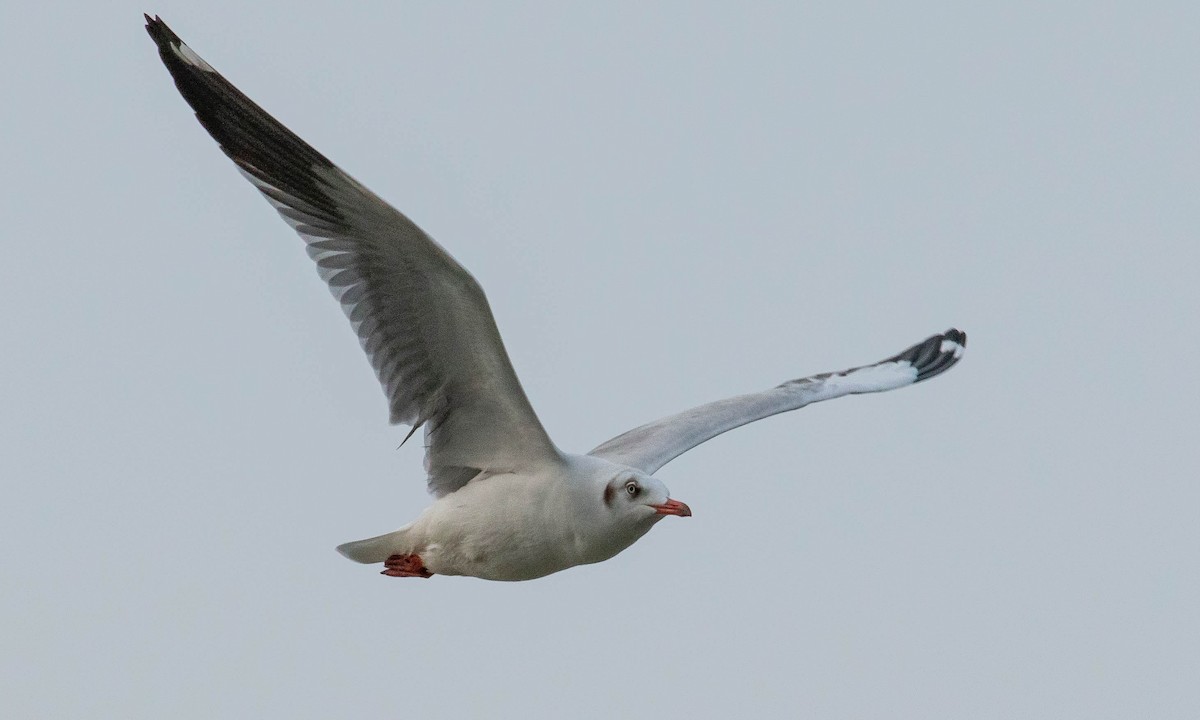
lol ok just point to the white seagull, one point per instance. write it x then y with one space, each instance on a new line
509 504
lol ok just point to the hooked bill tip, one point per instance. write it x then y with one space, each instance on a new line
673 507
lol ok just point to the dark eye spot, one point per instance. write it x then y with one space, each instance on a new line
608 494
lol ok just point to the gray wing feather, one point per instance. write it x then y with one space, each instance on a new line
653 445
421 318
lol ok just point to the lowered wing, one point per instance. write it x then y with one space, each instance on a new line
653 445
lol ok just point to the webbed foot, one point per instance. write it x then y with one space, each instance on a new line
406 566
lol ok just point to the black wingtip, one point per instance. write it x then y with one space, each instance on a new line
935 354
166 40
159 31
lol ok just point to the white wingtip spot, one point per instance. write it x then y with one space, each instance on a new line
951 346
191 58
875 378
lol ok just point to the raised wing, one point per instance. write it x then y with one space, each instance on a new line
651 446
421 318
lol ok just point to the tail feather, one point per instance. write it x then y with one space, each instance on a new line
376 549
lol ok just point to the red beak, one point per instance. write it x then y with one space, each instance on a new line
673 507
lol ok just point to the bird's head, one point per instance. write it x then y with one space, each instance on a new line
640 499
625 503
629 503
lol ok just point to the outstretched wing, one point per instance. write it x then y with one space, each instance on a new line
651 446
421 318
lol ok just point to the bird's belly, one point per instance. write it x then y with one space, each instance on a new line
495 536
499 554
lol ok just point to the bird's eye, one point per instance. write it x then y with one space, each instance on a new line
632 488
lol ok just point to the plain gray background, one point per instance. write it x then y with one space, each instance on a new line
667 203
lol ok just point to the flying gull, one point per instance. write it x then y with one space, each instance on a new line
509 504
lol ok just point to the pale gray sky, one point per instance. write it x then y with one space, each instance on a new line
667 203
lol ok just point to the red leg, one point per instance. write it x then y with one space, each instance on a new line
406 566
